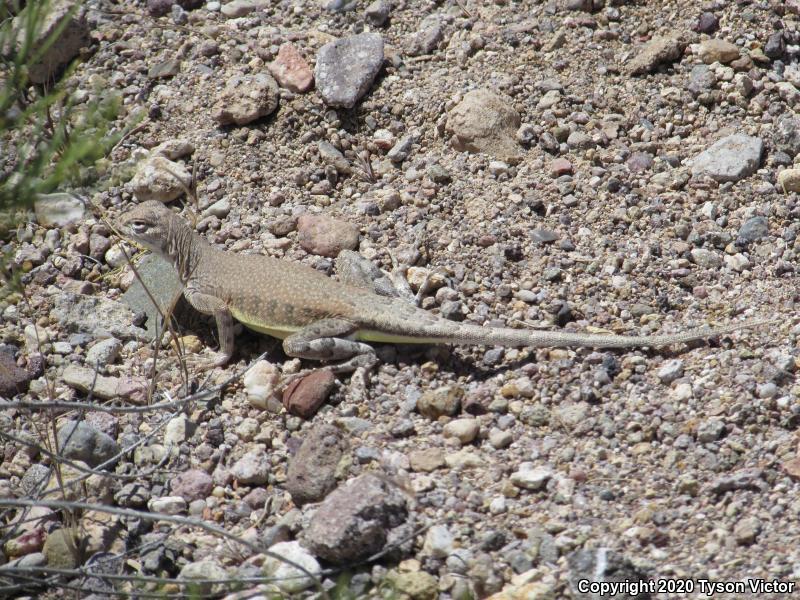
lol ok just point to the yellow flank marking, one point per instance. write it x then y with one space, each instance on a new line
368 335
274 330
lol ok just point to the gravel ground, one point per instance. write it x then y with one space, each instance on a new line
554 163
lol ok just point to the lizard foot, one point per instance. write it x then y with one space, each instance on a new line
204 363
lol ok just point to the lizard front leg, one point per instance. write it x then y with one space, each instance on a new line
212 305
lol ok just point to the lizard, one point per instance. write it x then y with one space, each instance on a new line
321 318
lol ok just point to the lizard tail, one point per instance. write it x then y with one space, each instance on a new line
474 334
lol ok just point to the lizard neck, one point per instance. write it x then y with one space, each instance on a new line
184 249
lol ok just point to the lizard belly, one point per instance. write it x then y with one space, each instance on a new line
275 330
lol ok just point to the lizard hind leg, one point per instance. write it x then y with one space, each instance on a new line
327 340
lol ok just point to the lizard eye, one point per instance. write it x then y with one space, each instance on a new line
138 226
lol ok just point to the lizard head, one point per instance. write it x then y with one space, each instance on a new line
149 224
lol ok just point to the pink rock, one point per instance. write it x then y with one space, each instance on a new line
291 70
324 236
193 484
560 166
27 543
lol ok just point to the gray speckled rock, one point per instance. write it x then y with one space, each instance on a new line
730 159
78 440
354 521
754 229
312 471
163 284
104 352
98 317
347 67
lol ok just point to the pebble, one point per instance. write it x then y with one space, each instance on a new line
746 531
670 371
756 228
730 159
245 99
701 79
424 41
347 67
61 550
178 430
158 178
710 431
191 485
484 121
559 167
325 236
708 259
426 460
638 162
290 69
439 542
104 352
737 262
443 401
13 379
418 585
204 569
377 13
531 477
775 46
707 22
174 148
767 390
260 385
659 50
500 439
241 8
464 430
167 505
252 469
219 209
401 150
288 578
60 36
61 210
789 180
717 50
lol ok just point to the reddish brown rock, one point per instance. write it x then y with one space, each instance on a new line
304 396
290 69
13 379
560 166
